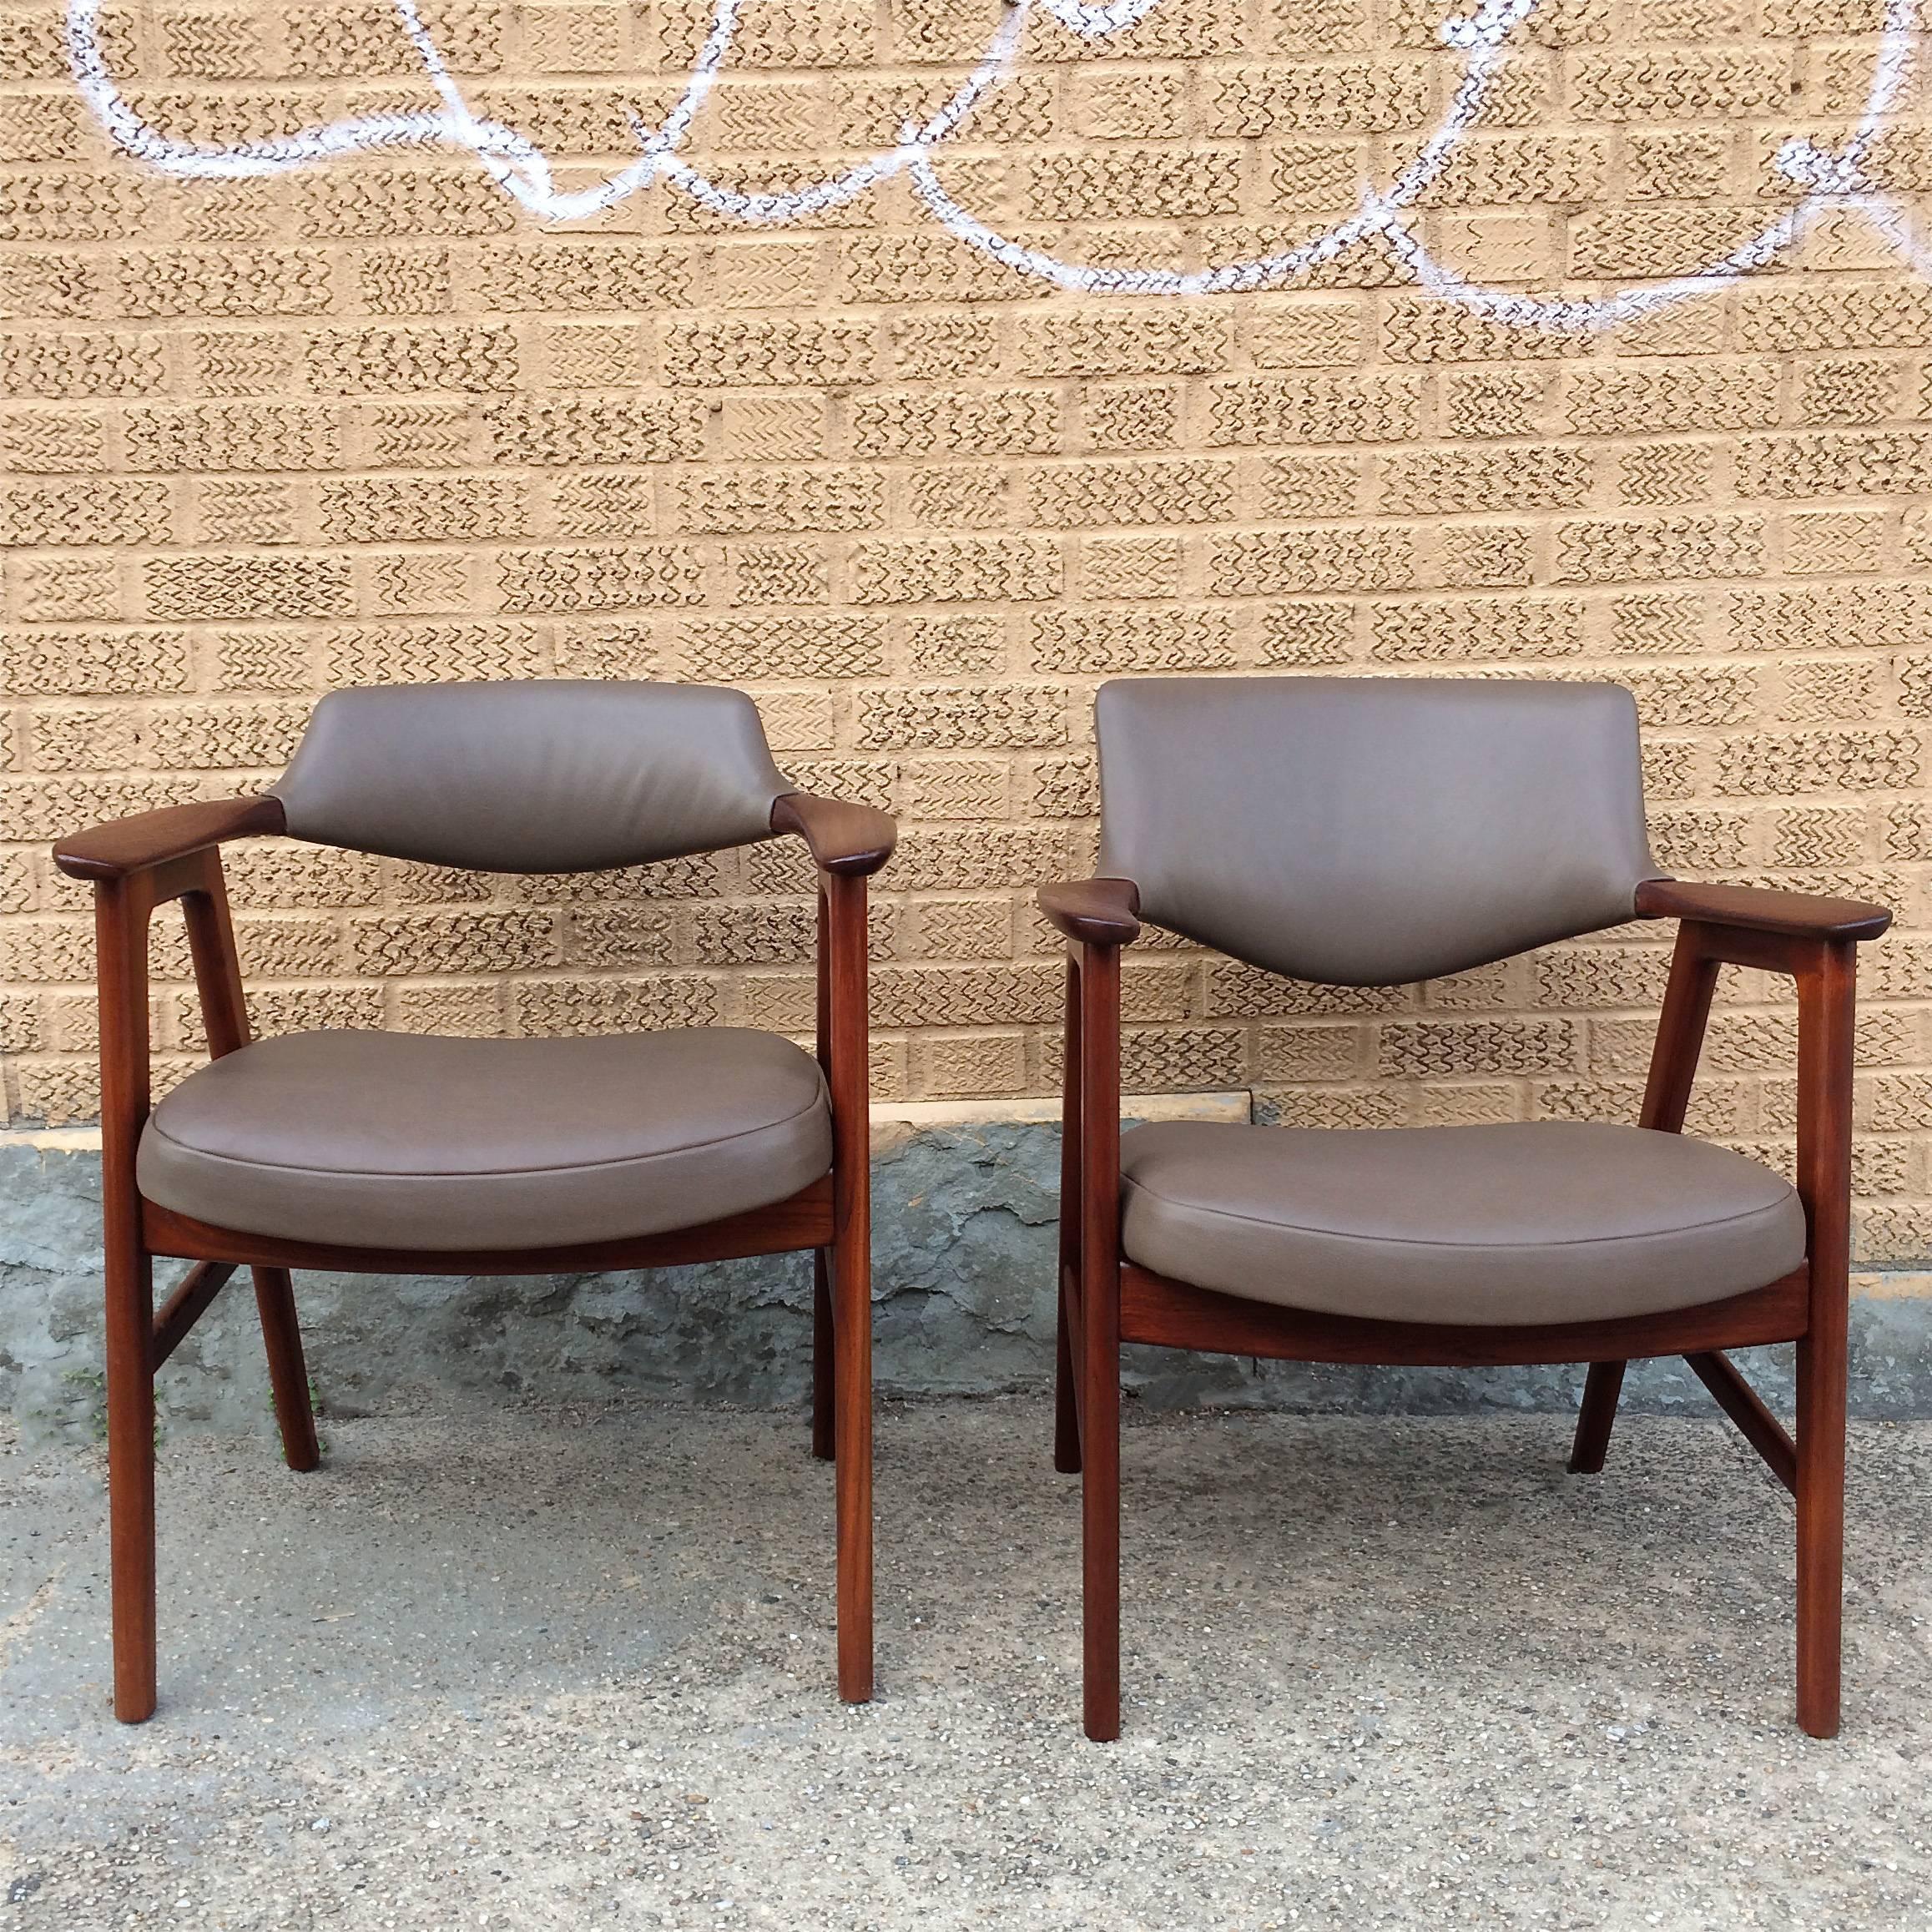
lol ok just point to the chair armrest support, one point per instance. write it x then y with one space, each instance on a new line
1814 942
124 846
850 840
1094 911
1752 909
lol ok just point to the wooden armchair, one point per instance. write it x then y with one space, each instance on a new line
1375 832
409 1153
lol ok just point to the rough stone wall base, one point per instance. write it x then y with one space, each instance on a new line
965 1219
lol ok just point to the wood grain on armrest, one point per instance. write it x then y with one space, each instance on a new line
847 839
125 845
1096 911
1795 915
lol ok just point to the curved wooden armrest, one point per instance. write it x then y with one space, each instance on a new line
125 845
1095 911
852 841
1794 915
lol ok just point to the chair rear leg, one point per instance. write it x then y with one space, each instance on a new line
281 1333
824 1380
1596 1418
1821 1469
852 1352
130 1377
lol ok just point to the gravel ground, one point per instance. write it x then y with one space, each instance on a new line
542 1668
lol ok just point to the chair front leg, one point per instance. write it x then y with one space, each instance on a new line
1826 995
852 1429
1099 1336
1821 1475
851 1271
824 1380
123 908
1065 1403
130 1380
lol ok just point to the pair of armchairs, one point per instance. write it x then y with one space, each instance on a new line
1346 832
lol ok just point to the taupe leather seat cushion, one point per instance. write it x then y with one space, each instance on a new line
398 1140
1526 1222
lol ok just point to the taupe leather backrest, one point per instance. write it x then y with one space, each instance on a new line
553 775
1372 831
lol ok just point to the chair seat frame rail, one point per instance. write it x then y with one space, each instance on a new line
1105 1300
138 865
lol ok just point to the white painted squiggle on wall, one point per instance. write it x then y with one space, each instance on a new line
1829 179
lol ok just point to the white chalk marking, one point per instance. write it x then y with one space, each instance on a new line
1829 179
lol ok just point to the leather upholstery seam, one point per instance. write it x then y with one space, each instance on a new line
154 1127
1129 1182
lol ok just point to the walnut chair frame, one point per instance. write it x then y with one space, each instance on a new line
139 864
1105 1300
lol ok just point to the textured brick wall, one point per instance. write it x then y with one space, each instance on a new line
263 439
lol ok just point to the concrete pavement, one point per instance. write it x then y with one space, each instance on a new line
532 1666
